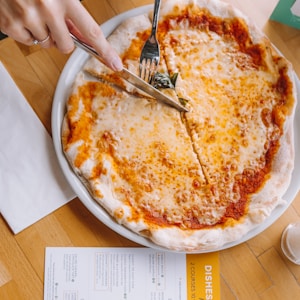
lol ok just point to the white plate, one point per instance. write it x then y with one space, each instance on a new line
73 66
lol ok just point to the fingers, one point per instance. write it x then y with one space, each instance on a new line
19 34
24 26
16 31
60 35
37 28
47 23
40 35
84 26
56 23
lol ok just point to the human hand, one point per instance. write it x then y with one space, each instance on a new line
48 24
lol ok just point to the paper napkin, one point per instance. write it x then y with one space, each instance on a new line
31 182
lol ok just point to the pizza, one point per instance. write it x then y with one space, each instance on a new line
198 180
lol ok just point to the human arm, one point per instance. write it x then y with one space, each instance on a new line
27 21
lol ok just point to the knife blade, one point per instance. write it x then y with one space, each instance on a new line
133 79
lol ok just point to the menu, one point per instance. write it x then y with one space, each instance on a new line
90 273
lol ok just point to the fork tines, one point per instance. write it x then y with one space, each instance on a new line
148 68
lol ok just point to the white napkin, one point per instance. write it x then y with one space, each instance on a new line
31 182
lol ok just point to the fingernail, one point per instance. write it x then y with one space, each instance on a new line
116 64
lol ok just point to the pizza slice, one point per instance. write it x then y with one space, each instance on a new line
136 158
241 96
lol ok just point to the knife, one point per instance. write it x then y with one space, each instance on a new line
133 79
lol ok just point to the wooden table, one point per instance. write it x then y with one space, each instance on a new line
253 270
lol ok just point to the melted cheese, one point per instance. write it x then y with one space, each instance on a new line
228 95
142 151
151 167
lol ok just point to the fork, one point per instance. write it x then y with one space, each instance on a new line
150 54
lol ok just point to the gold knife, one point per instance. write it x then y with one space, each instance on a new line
133 79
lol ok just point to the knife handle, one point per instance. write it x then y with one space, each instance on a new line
86 47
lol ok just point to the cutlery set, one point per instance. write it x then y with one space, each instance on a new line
149 60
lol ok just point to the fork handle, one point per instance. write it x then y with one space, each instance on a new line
155 17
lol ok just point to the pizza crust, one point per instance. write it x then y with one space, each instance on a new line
121 39
144 113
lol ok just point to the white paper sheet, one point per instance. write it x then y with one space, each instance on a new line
31 182
92 273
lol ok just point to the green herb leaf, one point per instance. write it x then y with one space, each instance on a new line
162 81
174 78
183 101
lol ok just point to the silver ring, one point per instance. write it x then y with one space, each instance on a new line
37 42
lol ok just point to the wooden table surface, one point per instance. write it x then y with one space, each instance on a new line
256 269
